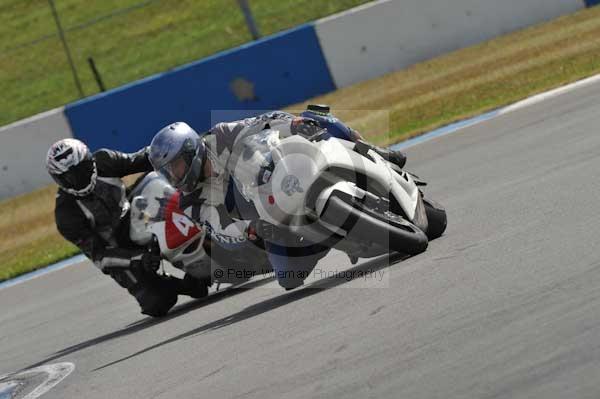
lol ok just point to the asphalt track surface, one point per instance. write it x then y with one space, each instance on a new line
505 305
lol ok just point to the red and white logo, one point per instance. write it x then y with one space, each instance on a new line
179 228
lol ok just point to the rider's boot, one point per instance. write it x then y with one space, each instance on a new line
396 157
191 286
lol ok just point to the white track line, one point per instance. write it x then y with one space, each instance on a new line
55 373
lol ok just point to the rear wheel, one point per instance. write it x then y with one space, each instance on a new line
436 217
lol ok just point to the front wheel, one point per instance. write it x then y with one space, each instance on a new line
436 217
369 226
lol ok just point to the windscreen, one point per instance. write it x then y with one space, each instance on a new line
150 198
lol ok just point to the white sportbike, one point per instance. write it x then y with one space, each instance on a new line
313 194
335 192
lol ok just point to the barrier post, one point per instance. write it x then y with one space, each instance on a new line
252 27
61 34
96 74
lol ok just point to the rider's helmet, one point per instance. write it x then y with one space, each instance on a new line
72 166
335 127
178 153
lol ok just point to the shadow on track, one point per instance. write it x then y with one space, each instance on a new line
272 303
148 322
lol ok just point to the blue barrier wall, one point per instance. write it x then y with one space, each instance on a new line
271 73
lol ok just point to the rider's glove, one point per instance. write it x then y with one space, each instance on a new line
252 233
147 262
150 262
121 259
305 126
258 231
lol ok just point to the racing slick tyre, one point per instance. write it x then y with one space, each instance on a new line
436 217
366 225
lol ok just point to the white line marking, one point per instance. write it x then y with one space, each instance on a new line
6 389
55 373
538 98
41 272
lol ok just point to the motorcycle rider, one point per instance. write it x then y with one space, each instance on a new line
92 212
198 166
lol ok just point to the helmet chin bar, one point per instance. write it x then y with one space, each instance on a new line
194 175
87 189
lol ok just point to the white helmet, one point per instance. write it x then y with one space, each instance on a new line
72 166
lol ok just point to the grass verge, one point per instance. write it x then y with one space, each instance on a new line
28 236
426 96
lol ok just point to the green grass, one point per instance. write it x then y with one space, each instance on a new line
387 110
48 250
28 236
156 37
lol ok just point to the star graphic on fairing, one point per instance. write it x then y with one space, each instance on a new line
243 89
